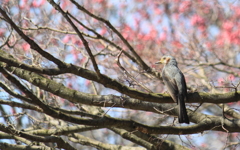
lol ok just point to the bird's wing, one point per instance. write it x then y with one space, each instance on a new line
181 84
170 82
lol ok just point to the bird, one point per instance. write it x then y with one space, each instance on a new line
175 82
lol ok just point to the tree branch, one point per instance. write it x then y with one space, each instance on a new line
106 22
31 42
85 43
60 142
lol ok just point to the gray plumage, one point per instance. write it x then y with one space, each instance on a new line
174 79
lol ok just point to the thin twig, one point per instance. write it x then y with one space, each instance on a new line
128 74
85 43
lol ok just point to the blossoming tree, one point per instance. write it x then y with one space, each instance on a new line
82 74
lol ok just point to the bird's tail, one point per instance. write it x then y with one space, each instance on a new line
182 116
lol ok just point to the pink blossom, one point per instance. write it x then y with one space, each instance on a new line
23 4
231 77
208 45
197 20
74 39
203 145
140 47
69 85
220 81
82 60
99 1
42 2
202 28
228 26
25 47
219 41
115 65
223 38
235 37
177 44
236 11
206 10
78 42
125 35
127 28
66 39
140 36
163 37
184 6
64 4
6 1
229 37
35 3
2 31
176 16
153 33
87 82
74 52
13 111
127 32
71 104
103 31
149 113
54 41
157 11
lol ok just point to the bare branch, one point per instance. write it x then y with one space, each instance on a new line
65 14
128 74
31 42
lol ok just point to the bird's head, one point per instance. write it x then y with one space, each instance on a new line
167 60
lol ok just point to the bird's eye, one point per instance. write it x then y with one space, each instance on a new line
164 58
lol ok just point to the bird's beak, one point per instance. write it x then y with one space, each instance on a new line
159 62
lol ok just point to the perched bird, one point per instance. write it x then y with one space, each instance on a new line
174 79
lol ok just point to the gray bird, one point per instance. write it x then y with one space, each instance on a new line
174 79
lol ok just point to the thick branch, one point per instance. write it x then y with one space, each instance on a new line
16 104
60 142
207 122
107 82
6 146
77 138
